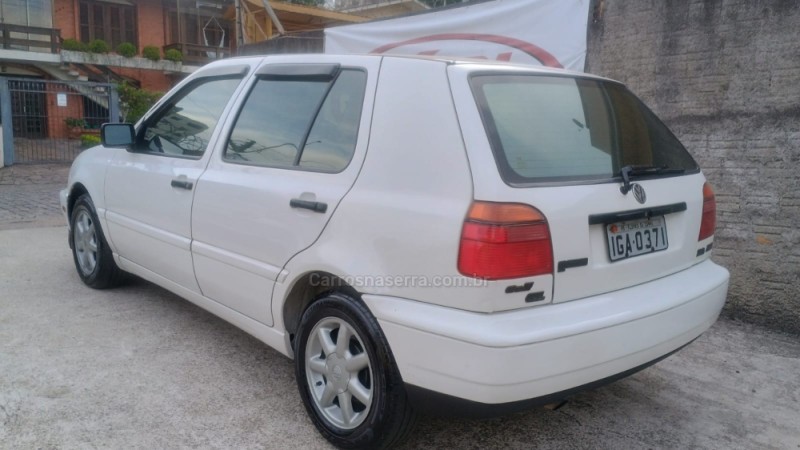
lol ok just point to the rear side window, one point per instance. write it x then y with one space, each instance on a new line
552 129
300 123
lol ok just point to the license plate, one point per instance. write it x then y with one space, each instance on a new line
636 237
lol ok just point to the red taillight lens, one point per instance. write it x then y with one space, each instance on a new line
709 222
505 240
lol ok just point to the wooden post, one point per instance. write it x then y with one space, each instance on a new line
273 17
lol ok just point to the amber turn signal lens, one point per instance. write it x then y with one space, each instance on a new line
503 213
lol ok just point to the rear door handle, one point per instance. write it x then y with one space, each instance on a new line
319 207
181 183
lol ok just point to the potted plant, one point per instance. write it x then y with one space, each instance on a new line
75 126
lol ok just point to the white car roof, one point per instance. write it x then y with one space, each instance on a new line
470 64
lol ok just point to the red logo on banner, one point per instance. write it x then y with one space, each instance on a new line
536 52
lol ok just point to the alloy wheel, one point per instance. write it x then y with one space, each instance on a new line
339 373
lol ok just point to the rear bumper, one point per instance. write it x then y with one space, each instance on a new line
448 406
538 353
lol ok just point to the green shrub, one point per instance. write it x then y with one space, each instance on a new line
135 102
89 140
173 55
99 46
74 122
74 45
151 52
126 49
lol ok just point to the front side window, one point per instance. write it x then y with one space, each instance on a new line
546 128
183 127
300 122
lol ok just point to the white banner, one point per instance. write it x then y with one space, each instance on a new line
541 32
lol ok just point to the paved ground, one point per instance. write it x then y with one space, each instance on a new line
29 195
139 367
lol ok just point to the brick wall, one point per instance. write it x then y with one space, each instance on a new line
725 76
150 16
150 31
65 18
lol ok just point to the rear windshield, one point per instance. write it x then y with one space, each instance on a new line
560 129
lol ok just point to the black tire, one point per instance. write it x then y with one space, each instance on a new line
90 252
389 418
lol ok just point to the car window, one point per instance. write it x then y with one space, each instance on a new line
184 128
546 128
299 123
332 140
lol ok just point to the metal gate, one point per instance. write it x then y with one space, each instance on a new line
48 121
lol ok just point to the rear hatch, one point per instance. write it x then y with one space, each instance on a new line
622 197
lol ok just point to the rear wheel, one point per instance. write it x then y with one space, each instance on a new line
347 376
90 251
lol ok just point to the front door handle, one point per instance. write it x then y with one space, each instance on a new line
181 183
319 207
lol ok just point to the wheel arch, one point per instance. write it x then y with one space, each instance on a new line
306 289
75 192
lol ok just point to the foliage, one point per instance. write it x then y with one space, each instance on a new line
151 52
89 140
75 122
126 49
135 102
99 46
173 55
74 45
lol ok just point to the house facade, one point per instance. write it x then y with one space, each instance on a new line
51 51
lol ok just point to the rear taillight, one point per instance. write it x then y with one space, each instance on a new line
709 222
505 240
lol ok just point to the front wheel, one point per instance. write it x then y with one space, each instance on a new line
347 376
90 251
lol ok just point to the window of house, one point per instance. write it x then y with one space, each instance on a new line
34 13
111 22
300 123
199 28
30 13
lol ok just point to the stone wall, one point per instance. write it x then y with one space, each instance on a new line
725 76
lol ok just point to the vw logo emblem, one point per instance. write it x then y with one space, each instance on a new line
638 193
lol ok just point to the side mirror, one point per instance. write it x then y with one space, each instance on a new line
117 134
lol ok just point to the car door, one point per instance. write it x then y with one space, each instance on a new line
149 189
290 156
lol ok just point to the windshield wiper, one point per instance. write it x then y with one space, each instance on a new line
636 171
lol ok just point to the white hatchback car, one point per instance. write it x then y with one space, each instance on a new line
417 233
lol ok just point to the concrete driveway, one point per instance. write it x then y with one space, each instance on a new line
137 367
